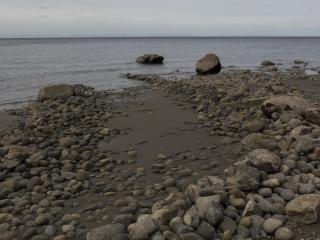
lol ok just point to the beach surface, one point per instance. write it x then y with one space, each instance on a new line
8 121
92 164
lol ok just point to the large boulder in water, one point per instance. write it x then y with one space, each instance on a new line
55 91
209 64
150 59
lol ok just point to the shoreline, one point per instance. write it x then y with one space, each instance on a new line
174 75
112 156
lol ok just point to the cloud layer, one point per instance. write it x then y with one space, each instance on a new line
157 18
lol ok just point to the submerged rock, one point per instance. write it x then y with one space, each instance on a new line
150 59
267 63
209 64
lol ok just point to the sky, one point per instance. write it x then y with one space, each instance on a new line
67 18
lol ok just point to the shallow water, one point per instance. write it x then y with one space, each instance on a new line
28 64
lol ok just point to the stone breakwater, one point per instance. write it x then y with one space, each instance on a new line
56 183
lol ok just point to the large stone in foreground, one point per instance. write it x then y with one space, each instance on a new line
209 64
264 160
243 177
312 115
108 232
281 104
55 91
304 208
143 228
150 59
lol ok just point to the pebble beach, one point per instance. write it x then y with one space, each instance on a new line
235 155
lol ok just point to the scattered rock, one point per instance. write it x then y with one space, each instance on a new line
284 234
55 91
209 64
304 208
107 232
245 178
150 59
267 63
264 160
271 225
281 104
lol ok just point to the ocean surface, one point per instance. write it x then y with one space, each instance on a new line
28 64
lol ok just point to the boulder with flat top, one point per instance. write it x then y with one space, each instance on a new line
304 209
282 104
55 91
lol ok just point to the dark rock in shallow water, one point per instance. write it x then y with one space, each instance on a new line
150 59
209 64
267 63
298 61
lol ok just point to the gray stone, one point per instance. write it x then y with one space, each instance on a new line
304 208
210 208
244 177
284 234
264 160
228 225
281 104
206 231
50 230
55 91
304 144
267 63
150 59
271 225
143 228
107 232
209 64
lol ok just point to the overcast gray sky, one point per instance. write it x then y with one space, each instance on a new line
159 17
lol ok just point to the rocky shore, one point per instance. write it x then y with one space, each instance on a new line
227 156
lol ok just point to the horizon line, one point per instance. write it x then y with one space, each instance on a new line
156 36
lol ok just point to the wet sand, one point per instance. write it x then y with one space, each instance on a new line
8 121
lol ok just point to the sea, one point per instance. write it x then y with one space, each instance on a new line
26 65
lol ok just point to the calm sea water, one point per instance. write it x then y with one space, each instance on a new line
28 64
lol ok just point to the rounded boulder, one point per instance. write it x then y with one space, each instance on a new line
209 64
